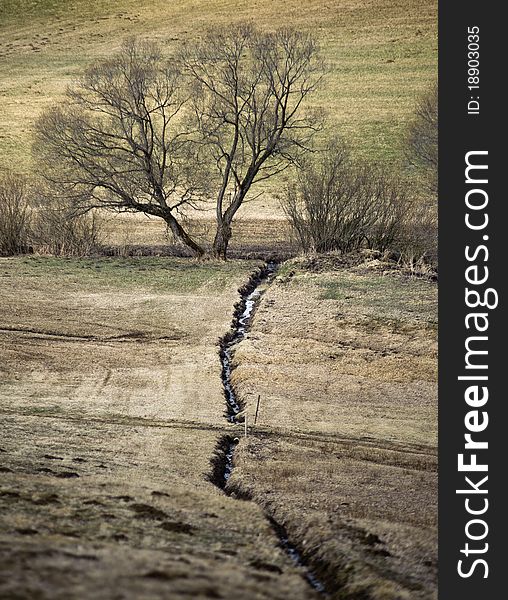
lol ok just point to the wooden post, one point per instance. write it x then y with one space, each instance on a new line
257 409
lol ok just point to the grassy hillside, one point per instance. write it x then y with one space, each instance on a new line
381 54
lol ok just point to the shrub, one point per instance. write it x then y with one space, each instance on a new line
15 215
421 140
339 204
58 231
417 245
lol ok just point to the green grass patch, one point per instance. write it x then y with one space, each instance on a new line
147 273
392 297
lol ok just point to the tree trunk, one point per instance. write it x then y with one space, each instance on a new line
222 237
180 233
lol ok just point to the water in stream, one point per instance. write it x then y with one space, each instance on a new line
241 322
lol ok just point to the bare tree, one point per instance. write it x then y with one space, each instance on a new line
421 147
249 89
339 204
119 140
15 214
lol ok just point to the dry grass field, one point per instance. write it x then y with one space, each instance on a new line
254 235
111 408
344 453
111 399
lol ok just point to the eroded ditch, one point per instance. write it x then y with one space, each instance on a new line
223 460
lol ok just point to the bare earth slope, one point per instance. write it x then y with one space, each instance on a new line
344 453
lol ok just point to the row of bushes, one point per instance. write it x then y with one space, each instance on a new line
29 222
338 203
335 203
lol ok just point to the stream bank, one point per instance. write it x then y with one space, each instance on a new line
223 459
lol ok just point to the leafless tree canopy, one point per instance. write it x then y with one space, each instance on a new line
422 138
339 204
119 142
249 89
135 134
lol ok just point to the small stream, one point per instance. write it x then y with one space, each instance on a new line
244 311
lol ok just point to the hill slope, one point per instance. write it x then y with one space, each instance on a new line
381 54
